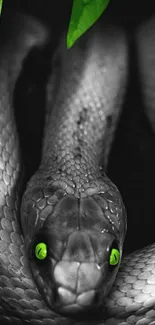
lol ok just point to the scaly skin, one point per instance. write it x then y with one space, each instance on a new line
132 299
69 203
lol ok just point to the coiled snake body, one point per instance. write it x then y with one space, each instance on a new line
69 203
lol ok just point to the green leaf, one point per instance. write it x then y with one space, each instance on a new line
1 3
84 15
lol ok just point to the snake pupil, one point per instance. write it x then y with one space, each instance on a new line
39 251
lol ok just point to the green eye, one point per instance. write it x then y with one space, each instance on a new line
114 257
41 251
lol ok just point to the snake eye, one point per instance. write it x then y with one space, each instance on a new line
41 251
114 257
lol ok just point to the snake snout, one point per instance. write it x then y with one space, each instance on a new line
82 278
76 285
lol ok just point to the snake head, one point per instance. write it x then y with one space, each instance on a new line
75 254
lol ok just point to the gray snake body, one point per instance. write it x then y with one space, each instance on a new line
69 202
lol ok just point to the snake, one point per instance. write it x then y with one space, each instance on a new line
61 241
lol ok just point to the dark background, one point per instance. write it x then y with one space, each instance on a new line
132 159
57 12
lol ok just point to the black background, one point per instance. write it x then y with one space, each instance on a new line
56 12
132 159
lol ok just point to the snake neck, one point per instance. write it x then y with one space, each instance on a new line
82 117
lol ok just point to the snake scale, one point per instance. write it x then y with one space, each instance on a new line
69 202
